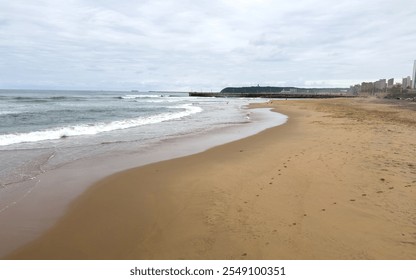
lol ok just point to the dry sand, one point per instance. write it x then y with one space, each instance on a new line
337 181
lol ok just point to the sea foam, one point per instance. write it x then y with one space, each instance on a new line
95 128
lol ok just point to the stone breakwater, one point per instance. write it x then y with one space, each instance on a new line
272 95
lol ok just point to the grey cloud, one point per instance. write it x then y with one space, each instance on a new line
182 44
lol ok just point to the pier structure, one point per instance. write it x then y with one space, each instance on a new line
283 95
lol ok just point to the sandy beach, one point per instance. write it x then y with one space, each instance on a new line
337 181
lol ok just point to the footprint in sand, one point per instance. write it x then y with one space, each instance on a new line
380 192
352 200
364 194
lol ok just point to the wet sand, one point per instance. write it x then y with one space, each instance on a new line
337 181
37 204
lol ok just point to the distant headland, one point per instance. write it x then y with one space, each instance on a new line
276 92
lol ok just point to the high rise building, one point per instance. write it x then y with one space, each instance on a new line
390 83
380 85
406 82
367 87
414 75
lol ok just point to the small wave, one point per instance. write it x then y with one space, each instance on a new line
24 98
42 99
138 96
31 100
9 112
58 97
157 101
92 129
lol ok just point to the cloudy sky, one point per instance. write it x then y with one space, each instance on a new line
203 44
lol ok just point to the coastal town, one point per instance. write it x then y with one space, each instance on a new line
406 88
383 88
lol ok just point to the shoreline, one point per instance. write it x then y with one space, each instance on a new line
337 181
23 220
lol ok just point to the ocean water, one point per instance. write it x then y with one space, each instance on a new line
43 130
55 144
28 117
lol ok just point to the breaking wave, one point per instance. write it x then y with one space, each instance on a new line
95 128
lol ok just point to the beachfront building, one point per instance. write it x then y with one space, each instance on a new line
367 87
390 83
414 76
406 82
380 85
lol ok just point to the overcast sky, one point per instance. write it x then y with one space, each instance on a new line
203 45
